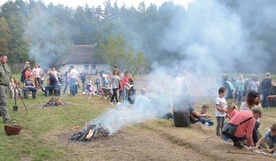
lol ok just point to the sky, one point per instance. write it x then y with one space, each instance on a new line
95 3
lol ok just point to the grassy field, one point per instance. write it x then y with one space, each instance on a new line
46 131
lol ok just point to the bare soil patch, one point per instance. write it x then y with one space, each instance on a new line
156 140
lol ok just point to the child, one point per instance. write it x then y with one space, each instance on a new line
89 88
220 110
270 139
205 120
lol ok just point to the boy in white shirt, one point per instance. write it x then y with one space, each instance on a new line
220 110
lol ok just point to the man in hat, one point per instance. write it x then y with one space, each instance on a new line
5 79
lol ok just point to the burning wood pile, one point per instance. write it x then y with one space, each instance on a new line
90 132
55 101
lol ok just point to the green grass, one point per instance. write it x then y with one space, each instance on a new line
41 123
46 130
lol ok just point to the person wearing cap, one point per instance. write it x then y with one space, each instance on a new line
245 130
5 79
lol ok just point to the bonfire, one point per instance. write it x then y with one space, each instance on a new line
90 132
55 101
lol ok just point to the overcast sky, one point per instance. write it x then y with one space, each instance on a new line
75 3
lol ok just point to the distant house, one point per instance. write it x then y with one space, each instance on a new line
81 57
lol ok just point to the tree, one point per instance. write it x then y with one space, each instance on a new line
17 44
117 52
4 36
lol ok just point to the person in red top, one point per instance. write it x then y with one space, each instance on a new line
245 130
231 111
125 82
28 73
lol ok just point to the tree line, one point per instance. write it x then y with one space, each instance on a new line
124 35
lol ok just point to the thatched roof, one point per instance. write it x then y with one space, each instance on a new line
79 54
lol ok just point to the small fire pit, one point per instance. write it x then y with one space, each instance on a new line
90 132
55 101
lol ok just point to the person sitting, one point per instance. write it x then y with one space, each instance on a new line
270 139
183 110
52 84
29 85
143 102
204 118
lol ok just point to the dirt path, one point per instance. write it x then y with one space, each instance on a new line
147 141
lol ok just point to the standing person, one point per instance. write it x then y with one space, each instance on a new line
254 84
27 73
67 79
41 73
36 75
27 64
266 84
125 82
5 79
220 110
98 82
83 79
115 82
74 74
239 88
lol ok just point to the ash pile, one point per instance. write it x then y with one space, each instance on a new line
90 133
55 101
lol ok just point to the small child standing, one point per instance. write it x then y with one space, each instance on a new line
89 87
270 139
220 110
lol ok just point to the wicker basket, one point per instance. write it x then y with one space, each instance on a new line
12 129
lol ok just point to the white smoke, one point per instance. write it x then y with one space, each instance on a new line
48 37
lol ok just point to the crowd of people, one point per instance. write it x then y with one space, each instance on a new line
122 84
244 86
247 118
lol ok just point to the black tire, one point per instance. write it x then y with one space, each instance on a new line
229 92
